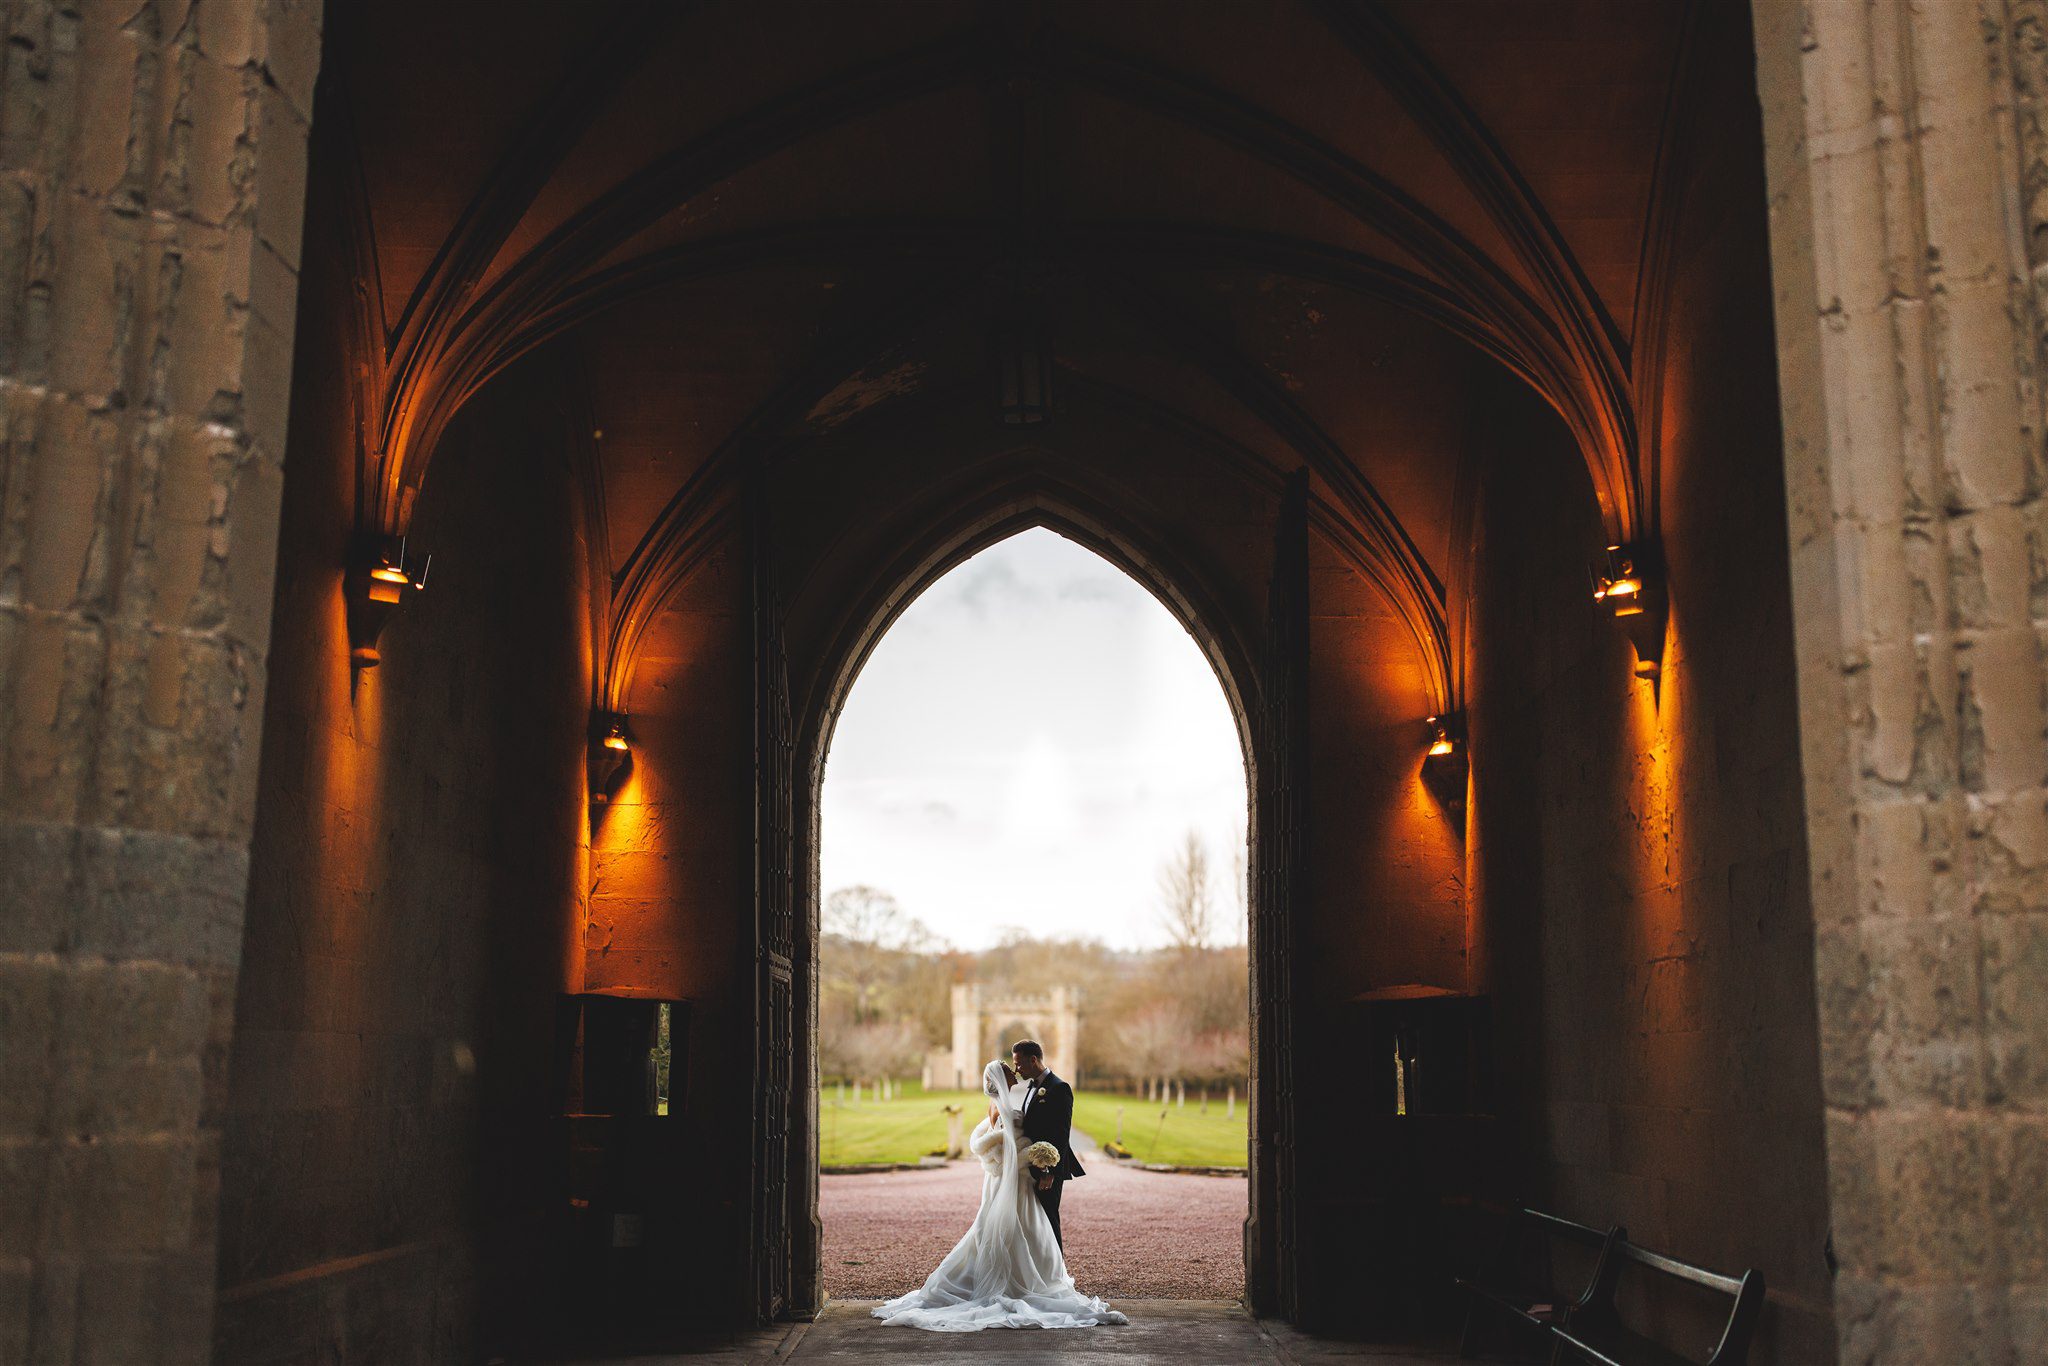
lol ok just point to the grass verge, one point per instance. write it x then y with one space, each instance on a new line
1180 1136
905 1129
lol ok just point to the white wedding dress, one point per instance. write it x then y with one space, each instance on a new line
1007 1272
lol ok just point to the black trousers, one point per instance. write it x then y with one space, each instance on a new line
1049 1201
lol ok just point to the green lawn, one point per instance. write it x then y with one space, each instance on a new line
1181 1137
900 1130
914 1124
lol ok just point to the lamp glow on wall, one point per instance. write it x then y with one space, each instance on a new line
1629 583
1445 766
611 755
375 586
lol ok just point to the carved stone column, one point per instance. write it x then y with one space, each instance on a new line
1279 855
152 173
778 1070
1907 218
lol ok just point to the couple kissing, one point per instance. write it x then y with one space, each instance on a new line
1009 1269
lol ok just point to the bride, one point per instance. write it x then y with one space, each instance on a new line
1007 1271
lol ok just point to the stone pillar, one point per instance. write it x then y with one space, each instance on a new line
1908 188
152 172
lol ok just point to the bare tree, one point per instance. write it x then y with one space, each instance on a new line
1219 1055
1155 1040
1187 893
881 1051
872 935
863 915
835 1025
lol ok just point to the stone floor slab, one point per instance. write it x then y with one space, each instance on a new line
1165 1332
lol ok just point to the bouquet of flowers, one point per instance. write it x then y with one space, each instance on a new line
1042 1156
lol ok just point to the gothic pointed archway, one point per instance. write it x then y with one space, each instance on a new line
849 614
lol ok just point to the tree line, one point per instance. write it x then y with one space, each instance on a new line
1178 1015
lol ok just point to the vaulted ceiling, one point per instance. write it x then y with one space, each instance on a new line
1291 225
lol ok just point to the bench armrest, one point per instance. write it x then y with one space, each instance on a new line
1586 1350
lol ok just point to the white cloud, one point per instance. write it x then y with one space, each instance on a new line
1025 747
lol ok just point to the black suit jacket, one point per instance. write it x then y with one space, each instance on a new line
1049 1118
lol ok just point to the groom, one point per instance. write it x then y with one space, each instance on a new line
1048 1118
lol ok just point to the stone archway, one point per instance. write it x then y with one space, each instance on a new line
1261 669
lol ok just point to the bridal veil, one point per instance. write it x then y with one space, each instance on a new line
1007 1272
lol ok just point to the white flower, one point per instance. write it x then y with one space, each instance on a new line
1042 1155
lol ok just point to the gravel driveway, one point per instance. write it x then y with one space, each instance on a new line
1129 1234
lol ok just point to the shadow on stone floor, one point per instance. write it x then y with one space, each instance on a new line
1180 1332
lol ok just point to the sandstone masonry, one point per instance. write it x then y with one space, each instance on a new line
152 166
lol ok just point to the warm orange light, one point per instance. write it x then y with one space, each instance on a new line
1621 579
610 754
1444 768
374 583
1630 587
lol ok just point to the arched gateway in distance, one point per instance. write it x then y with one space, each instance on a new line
1054 1019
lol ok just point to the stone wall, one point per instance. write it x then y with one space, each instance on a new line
1386 911
1907 146
1388 871
152 171
1640 852
671 908
419 851
1640 890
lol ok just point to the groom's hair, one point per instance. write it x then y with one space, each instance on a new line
1028 1047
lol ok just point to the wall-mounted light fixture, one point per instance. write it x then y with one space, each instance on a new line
375 585
611 751
1444 766
1629 583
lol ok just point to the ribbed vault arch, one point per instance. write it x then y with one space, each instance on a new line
472 312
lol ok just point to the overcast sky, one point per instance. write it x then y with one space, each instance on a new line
1025 748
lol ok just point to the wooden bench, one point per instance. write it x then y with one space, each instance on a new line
1593 1331
1523 1282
